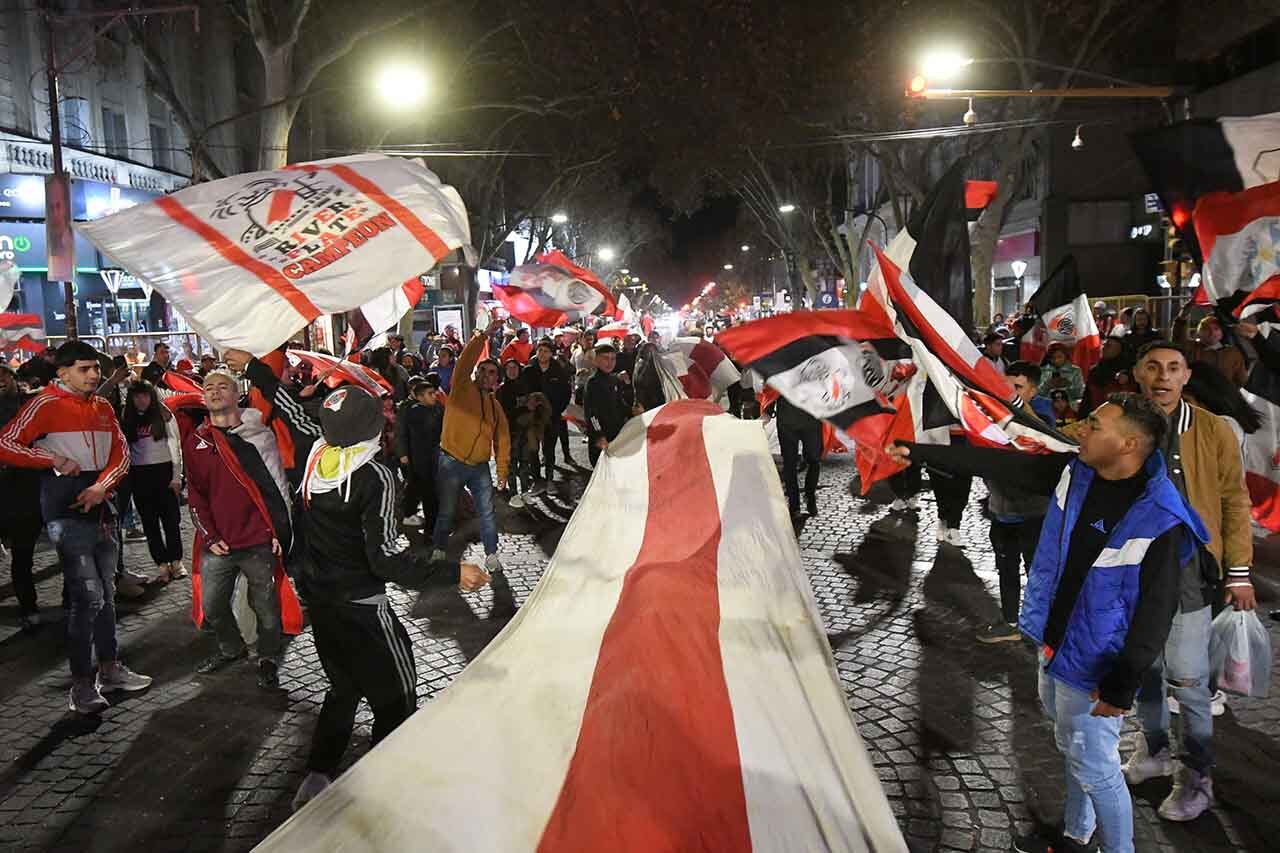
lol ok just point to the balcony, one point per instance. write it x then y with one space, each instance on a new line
23 155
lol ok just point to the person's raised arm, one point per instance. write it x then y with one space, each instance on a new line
1037 473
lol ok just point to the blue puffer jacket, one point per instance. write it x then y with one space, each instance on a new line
1099 622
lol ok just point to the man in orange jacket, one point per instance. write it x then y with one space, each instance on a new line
475 430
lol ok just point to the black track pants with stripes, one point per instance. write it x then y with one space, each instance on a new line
365 653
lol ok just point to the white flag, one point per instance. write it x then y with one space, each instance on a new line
251 259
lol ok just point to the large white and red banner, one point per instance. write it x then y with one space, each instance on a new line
668 686
251 259
21 331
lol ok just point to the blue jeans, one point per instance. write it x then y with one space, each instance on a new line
1097 797
1184 669
87 550
453 475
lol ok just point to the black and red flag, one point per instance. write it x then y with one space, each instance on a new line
553 291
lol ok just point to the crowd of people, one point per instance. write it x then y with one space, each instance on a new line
287 474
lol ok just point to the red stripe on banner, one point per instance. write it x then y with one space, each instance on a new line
657 766
267 274
406 217
526 306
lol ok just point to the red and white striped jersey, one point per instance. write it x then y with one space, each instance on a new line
59 422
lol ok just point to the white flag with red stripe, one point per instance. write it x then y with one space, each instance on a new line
24 331
668 685
339 371
251 259
701 366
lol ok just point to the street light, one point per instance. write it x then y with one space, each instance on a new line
746 248
624 271
402 86
728 266
944 64
605 253
786 208
559 218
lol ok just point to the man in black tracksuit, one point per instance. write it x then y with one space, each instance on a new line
607 401
547 375
356 547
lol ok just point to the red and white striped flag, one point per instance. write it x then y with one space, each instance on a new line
617 329
668 686
701 366
21 331
338 371
372 319
250 259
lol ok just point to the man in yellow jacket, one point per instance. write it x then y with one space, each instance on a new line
475 429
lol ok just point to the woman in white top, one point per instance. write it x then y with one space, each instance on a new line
155 475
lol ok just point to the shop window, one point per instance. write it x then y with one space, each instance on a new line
115 137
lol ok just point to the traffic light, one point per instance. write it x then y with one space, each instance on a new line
917 87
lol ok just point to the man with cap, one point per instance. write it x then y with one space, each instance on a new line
607 401
355 548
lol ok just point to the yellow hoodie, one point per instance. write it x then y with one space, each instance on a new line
475 426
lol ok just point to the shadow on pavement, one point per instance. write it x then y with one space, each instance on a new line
451 616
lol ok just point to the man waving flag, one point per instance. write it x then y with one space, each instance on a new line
250 259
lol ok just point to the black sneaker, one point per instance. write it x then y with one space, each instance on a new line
218 661
811 504
999 632
1040 844
133 534
268 674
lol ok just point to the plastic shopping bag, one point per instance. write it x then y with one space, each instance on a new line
1240 653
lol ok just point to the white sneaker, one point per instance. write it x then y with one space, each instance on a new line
413 521
900 505
1217 704
492 564
310 788
1142 765
943 532
517 501
1192 795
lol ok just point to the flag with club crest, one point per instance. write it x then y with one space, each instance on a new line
1239 236
1065 317
251 259
339 371
553 291
691 700
980 400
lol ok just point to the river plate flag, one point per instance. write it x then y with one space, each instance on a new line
667 686
1065 317
339 371
383 312
1193 158
1239 234
980 399
825 363
251 259
553 291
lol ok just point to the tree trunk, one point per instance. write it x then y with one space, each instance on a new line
276 121
986 233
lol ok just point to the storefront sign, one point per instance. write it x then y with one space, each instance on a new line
22 197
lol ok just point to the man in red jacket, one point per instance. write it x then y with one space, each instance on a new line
73 435
238 493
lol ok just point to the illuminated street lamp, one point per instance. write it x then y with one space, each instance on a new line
944 64
605 253
728 266
746 248
402 86
786 208
559 218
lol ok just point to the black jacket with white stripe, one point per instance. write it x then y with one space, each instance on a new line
355 544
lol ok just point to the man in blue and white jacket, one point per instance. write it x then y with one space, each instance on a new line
1101 595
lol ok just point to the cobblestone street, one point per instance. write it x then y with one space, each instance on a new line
955 728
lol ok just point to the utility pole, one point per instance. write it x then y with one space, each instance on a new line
55 141
61 180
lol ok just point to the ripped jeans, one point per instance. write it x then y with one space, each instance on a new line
87 549
1097 797
1182 670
